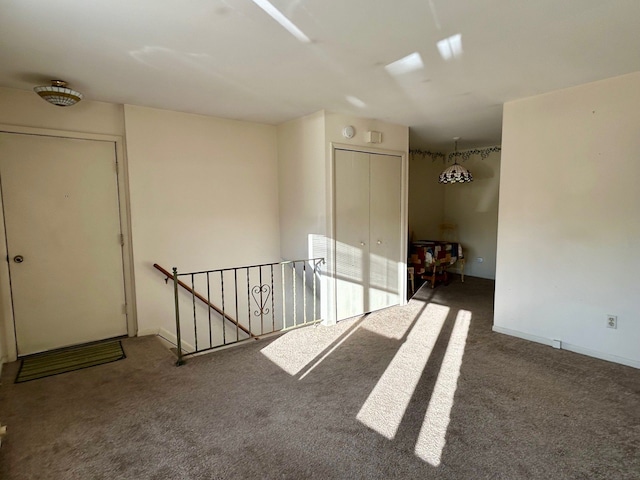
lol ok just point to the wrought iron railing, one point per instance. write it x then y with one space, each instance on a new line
230 305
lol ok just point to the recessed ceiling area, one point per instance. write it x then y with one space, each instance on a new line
442 67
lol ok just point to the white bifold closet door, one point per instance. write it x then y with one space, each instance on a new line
368 232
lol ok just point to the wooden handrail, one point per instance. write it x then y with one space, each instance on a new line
203 299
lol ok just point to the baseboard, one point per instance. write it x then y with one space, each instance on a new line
569 347
523 335
171 338
167 336
601 355
148 331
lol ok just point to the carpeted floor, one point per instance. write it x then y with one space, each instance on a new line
355 401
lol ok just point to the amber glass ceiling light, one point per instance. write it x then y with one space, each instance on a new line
456 173
58 93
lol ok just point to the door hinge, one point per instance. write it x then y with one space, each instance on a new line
122 239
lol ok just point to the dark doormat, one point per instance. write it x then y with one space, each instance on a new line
69 359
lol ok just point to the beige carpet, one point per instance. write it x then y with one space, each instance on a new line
416 392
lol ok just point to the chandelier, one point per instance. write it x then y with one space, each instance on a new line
456 173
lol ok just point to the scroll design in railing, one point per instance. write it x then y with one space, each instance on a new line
261 302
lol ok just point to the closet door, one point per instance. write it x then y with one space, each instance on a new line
368 203
385 200
352 233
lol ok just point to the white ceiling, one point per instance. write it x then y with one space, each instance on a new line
228 58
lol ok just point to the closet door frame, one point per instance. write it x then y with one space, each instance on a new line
331 284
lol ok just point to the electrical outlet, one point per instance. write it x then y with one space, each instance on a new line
612 321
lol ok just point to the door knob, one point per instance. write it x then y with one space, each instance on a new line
18 259
362 244
379 242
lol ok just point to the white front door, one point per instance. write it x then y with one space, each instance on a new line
62 221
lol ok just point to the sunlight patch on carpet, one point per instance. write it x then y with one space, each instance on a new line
384 408
296 349
379 323
333 349
432 436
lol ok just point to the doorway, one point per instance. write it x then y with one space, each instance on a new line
64 240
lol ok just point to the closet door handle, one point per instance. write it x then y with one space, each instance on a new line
379 242
362 244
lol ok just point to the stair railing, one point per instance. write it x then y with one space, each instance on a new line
257 300
202 299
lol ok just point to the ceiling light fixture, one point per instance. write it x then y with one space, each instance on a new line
456 173
58 93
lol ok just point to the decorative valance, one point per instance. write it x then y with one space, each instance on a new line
464 155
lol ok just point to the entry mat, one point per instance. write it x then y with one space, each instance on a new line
69 359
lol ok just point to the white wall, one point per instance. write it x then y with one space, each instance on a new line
569 219
302 185
473 207
204 195
426 197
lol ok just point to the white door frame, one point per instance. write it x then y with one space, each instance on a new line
331 305
7 322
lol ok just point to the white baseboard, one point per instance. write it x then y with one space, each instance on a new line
601 355
523 335
569 347
167 336
171 338
148 331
